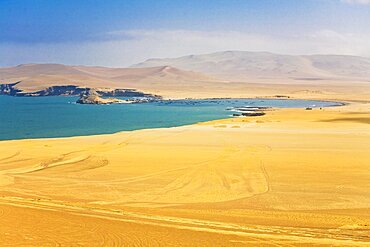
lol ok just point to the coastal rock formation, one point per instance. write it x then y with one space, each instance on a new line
92 97
36 77
68 90
72 90
253 114
87 95
96 98
9 89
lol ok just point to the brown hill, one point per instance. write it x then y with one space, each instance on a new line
34 77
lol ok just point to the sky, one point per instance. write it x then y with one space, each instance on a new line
119 33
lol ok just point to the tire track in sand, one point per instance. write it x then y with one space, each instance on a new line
259 232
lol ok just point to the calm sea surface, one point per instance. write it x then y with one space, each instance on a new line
39 117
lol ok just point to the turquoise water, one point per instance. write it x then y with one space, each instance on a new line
39 117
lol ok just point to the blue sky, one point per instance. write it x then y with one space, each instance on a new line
119 33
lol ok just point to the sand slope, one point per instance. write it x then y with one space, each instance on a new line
292 178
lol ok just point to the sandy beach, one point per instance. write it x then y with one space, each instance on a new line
184 123
292 177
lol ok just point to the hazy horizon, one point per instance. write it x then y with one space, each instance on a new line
122 33
154 58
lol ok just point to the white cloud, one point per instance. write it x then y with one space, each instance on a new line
364 2
133 46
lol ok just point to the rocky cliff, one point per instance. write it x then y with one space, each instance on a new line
72 90
92 97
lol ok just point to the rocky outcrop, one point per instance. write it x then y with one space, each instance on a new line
92 97
72 90
12 90
125 93
9 89
59 91
253 114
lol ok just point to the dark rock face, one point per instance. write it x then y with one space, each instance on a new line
71 90
253 114
9 89
124 93
60 91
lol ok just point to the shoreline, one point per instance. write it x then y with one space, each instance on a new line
280 177
337 104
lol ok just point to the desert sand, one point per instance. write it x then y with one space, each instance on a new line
290 178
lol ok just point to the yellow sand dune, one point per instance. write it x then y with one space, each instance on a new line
292 177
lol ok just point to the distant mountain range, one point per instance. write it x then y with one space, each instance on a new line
220 74
243 65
